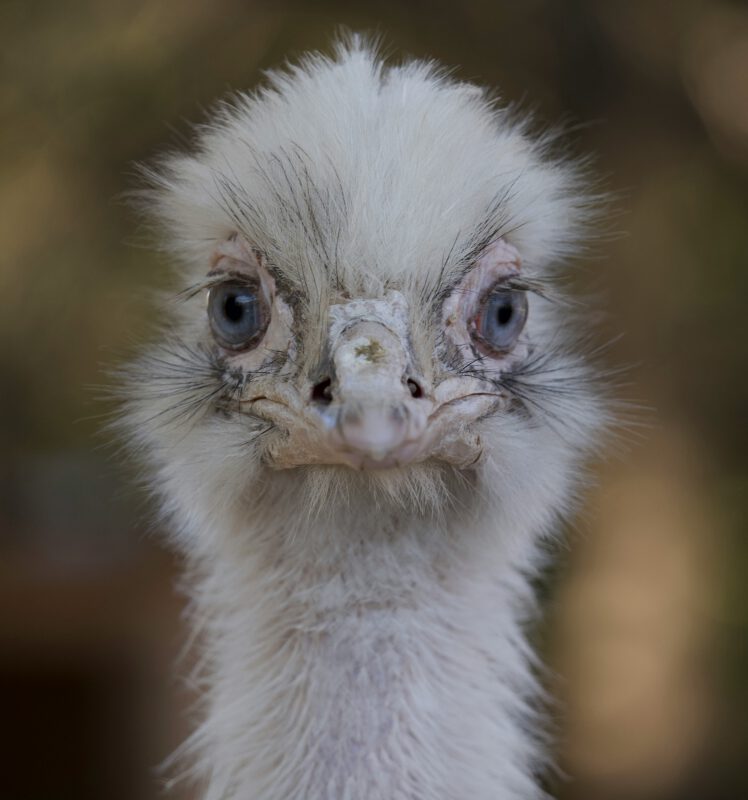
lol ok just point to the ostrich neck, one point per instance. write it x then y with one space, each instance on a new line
379 663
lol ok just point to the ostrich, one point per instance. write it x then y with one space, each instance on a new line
363 419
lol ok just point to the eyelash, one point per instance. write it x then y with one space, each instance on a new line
517 284
211 279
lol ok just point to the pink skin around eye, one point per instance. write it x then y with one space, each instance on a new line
499 260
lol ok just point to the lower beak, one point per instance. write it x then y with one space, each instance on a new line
379 435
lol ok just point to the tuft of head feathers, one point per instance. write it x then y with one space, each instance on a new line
362 631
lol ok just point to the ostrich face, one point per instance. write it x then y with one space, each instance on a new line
366 258
369 398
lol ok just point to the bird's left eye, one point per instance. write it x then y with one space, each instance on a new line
238 314
501 319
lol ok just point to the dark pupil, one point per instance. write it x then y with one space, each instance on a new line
504 313
235 306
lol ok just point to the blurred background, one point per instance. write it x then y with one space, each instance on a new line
646 617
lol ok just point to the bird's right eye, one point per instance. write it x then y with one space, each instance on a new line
238 314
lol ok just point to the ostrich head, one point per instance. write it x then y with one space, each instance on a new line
365 262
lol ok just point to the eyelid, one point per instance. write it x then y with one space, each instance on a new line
214 278
517 283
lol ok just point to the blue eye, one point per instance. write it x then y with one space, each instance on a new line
501 319
238 314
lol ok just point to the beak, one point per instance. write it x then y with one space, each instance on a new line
375 409
370 407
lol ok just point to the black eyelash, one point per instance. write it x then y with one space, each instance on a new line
548 386
193 379
521 284
208 282
213 278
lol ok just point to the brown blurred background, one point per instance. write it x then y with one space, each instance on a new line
646 618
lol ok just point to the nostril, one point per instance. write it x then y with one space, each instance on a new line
322 392
415 388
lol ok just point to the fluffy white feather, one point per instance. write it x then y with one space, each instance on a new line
362 631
